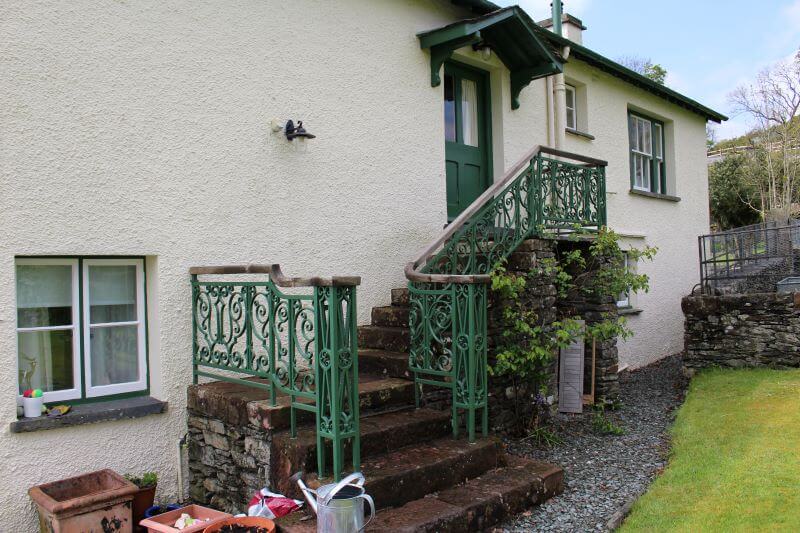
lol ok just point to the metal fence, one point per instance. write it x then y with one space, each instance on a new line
749 259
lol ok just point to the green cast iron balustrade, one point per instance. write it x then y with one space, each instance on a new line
300 346
448 284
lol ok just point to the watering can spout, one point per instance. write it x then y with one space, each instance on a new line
310 495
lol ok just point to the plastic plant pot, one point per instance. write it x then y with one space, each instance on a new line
160 509
32 407
95 501
164 523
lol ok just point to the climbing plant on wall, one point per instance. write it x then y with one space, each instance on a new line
530 341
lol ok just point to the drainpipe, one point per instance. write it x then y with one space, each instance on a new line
560 107
551 112
556 91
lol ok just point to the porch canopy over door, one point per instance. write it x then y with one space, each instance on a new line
509 32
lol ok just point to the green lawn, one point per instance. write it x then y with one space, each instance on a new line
735 462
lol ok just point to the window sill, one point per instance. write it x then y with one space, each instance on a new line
93 412
580 133
656 195
623 311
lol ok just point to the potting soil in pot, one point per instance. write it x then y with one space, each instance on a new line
234 528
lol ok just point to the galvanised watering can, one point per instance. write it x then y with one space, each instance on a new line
340 506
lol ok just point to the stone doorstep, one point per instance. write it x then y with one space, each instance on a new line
383 363
394 316
473 506
400 297
240 405
384 338
380 433
411 472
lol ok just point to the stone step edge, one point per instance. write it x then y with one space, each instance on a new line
299 453
242 408
472 506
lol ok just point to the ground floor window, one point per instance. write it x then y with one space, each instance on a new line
81 326
624 298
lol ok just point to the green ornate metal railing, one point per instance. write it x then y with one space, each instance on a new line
301 348
547 191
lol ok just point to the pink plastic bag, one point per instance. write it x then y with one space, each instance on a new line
267 504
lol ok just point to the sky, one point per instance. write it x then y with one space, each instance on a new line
709 47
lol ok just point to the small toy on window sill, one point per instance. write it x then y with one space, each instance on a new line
58 411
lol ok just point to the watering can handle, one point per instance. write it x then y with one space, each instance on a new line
358 477
371 503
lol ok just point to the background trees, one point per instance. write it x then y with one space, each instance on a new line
760 171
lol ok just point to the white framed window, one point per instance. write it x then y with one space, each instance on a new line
648 171
93 311
624 298
570 95
48 322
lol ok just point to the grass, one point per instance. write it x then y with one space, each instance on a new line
735 462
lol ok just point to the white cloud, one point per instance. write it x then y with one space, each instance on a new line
540 9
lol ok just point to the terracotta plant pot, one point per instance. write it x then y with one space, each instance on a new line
247 521
164 522
142 500
85 503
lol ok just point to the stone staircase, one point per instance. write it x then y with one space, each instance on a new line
419 476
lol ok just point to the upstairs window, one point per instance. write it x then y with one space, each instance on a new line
648 170
81 329
572 107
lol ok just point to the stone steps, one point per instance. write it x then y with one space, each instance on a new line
474 505
380 434
395 316
400 297
383 363
411 472
242 405
392 339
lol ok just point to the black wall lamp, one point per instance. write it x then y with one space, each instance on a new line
293 132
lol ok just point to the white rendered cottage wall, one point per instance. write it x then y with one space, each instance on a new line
142 128
671 226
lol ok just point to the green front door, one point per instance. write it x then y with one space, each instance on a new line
467 136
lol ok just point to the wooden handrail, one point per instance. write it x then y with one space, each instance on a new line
276 276
412 269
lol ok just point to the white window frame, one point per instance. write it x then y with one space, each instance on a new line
640 153
624 300
64 394
93 391
571 89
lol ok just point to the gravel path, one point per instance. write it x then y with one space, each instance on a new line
604 472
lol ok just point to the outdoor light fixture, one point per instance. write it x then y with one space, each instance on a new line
484 49
296 132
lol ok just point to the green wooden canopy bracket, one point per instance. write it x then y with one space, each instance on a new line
509 32
523 77
442 52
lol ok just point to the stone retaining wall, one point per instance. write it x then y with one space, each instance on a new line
742 330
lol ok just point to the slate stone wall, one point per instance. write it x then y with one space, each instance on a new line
228 463
507 399
593 310
742 330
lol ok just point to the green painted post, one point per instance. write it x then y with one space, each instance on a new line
334 320
319 346
292 346
272 332
355 400
195 290
472 362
